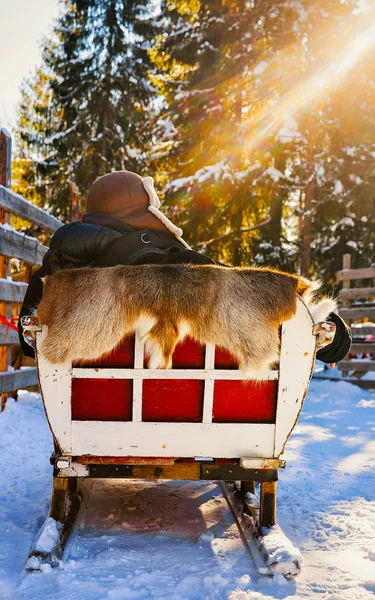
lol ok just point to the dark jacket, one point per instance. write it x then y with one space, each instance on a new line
104 241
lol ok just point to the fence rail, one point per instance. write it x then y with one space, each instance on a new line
364 312
15 244
358 304
8 336
349 274
12 291
16 205
357 293
18 379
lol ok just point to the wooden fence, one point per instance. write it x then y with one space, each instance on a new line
16 245
357 307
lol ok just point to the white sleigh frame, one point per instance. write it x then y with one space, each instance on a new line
237 452
249 442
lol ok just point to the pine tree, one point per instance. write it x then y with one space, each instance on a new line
330 158
100 92
211 62
192 69
256 128
264 153
35 122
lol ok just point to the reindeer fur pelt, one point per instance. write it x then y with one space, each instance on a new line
89 311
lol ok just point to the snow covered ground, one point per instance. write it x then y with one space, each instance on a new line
177 540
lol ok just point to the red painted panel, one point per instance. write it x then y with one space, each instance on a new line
172 400
188 355
102 399
245 402
122 356
224 360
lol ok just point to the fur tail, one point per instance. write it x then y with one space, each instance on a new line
306 288
319 310
322 309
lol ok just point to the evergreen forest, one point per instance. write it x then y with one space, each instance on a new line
256 119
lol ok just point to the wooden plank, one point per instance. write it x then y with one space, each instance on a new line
56 390
296 365
190 472
353 293
267 516
139 350
120 373
18 245
8 336
349 274
5 180
17 205
11 291
366 384
363 330
208 395
357 313
65 506
5 311
362 347
262 463
5 157
124 460
15 380
357 365
115 438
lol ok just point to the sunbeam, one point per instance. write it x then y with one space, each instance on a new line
336 66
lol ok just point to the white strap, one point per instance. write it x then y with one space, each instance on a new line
148 184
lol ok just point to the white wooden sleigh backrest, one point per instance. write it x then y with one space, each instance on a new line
181 439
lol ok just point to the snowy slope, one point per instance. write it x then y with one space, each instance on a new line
177 540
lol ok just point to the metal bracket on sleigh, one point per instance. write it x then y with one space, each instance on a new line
243 446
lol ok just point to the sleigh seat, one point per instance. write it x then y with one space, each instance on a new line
198 420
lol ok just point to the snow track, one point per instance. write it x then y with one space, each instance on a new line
177 540
151 539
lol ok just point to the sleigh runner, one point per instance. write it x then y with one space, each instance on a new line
197 420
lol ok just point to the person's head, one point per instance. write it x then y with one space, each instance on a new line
131 198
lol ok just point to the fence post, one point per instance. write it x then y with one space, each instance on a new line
346 282
5 180
346 285
5 157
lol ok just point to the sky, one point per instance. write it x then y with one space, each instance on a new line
24 23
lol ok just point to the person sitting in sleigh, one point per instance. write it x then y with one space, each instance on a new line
123 225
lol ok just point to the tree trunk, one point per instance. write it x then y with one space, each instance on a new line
306 227
276 207
306 230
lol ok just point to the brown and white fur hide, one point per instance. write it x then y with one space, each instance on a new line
89 311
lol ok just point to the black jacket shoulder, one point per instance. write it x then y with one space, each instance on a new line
80 244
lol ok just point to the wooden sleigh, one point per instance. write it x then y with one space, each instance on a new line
197 420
